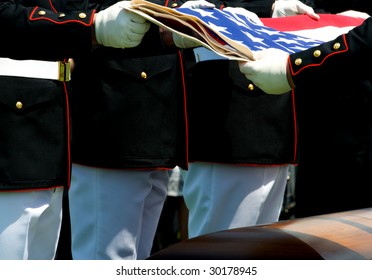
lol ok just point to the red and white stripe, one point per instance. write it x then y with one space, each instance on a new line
327 28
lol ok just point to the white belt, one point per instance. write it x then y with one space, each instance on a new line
53 70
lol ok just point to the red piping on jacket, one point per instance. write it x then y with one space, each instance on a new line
68 127
184 108
52 6
295 136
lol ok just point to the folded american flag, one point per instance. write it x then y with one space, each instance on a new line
237 29
234 36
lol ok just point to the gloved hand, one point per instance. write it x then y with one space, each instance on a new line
241 11
268 71
181 41
282 8
198 4
356 14
118 28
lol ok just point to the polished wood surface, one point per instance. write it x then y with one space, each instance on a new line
338 236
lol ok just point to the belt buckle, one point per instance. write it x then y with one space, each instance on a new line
64 71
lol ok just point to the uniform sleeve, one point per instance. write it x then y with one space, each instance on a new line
346 57
43 32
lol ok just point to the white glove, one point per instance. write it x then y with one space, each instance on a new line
197 4
118 28
355 14
283 8
181 41
268 71
241 11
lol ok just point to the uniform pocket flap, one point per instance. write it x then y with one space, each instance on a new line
142 67
17 95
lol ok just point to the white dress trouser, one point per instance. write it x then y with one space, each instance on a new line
115 213
223 196
30 224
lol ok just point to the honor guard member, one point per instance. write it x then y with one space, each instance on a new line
240 145
41 36
129 130
345 138
346 58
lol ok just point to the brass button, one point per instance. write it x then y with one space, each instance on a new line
174 5
143 75
19 105
61 15
298 61
250 87
317 53
336 46
82 15
42 13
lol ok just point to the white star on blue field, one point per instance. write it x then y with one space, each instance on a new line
244 31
